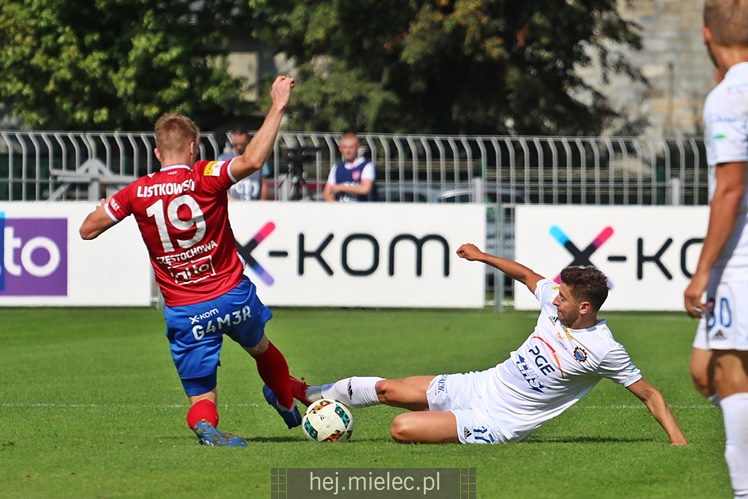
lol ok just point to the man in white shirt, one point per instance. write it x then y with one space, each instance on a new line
255 186
719 285
569 351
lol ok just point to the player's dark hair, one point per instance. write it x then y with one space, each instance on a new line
586 284
240 130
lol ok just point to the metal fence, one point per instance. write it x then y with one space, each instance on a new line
498 171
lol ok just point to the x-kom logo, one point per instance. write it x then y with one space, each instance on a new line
245 250
435 245
580 257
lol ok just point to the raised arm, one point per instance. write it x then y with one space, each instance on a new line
261 145
659 409
515 270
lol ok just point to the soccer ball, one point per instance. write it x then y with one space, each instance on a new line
327 421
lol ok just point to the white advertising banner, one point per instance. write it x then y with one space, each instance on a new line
361 254
298 254
647 252
46 263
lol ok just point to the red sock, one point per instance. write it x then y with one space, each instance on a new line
273 370
202 409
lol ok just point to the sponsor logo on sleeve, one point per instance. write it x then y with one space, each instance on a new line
213 169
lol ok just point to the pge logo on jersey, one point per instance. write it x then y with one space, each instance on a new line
33 256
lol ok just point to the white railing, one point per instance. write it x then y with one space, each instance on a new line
552 170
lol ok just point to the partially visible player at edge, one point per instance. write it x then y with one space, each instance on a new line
182 216
569 351
719 359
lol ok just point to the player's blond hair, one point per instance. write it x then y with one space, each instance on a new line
174 132
728 21
349 135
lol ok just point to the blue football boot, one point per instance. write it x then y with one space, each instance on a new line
291 417
208 434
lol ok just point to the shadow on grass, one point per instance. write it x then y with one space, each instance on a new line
176 440
586 440
353 440
276 439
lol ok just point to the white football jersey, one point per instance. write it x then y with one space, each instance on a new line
726 137
552 370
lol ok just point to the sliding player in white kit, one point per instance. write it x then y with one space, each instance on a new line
569 351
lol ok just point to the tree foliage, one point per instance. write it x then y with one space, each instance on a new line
449 66
117 64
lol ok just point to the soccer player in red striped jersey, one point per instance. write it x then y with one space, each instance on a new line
182 215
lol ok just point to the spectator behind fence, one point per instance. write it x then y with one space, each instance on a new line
353 179
255 186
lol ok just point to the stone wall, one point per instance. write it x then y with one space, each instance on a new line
675 62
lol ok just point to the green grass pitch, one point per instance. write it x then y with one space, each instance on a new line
91 407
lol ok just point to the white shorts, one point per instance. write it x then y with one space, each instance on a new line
725 325
456 393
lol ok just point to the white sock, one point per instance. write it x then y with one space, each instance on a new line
357 391
735 414
714 399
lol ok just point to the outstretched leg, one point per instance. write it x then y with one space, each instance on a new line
273 369
411 393
358 391
408 393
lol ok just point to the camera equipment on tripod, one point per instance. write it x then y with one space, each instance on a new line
298 156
